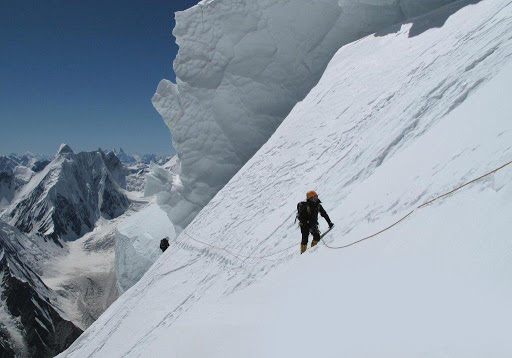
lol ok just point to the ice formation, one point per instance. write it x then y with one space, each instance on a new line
137 244
241 67
138 236
395 121
160 178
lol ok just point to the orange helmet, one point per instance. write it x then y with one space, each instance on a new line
311 194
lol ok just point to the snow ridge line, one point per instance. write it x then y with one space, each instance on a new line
242 256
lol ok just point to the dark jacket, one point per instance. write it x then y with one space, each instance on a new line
164 244
316 207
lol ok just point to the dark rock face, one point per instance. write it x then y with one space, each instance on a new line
31 326
6 177
39 165
6 350
70 194
123 157
7 186
116 168
9 162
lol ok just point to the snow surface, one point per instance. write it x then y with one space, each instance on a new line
138 244
398 118
241 67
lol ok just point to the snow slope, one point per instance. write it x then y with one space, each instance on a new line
241 67
398 118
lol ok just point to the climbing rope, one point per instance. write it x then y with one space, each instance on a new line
370 236
241 256
238 255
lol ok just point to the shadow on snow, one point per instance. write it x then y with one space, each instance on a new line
434 19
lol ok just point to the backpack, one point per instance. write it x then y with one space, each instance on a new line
303 212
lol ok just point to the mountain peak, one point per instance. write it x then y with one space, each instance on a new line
64 148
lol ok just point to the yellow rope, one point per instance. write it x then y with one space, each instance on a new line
421 206
370 236
241 256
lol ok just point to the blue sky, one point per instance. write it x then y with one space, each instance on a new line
84 72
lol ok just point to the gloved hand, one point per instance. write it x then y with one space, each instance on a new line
331 225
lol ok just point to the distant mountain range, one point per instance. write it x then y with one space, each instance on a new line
32 161
65 199
141 158
46 203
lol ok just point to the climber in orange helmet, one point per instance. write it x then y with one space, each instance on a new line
307 214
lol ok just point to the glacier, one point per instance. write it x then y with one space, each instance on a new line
31 324
241 67
398 118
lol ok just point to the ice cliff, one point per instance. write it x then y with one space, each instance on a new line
137 244
242 66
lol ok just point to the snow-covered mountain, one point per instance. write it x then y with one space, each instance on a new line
73 197
16 171
30 325
138 166
398 118
123 157
65 199
240 69
34 162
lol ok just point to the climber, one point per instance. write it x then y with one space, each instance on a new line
307 214
164 243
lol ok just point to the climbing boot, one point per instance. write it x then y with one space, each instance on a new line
313 243
303 248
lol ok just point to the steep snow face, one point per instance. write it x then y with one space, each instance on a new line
395 121
241 67
64 200
137 244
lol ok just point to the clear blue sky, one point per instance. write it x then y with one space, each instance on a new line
83 72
